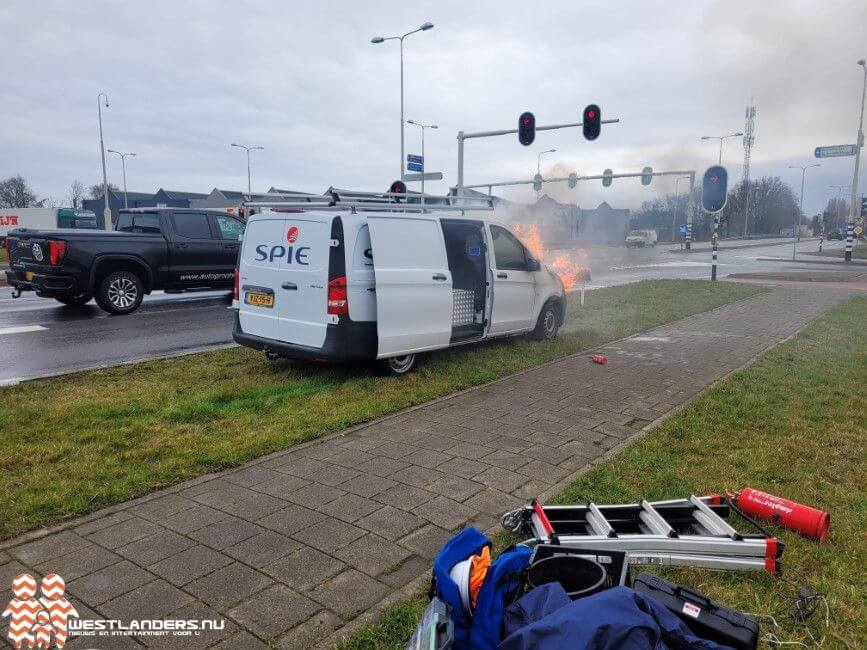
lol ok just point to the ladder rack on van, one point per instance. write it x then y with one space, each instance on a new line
378 201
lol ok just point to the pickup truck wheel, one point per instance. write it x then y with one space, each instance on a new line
120 292
80 299
398 366
548 323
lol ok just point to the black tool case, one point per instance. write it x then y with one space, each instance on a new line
706 618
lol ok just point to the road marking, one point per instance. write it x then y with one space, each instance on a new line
22 329
661 339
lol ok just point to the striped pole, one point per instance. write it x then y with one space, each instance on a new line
714 239
849 235
688 233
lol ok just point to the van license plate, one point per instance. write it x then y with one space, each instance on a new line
259 299
28 275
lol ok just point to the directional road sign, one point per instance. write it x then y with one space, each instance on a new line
415 167
835 151
412 158
427 176
682 229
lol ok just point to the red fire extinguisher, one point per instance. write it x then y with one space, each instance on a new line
804 520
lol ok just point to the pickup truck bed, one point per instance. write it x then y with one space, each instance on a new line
175 249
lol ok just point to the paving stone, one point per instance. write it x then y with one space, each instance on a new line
367 485
78 563
228 585
413 567
304 568
335 475
164 506
308 634
445 512
151 601
241 641
420 477
462 467
543 472
404 497
225 533
252 476
263 549
195 611
102 522
395 450
349 593
505 460
501 479
190 564
107 583
373 555
123 533
426 541
390 522
427 458
383 467
329 535
281 486
254 506
291 519
150 550
273 611
493 502
350 507
296 466
314 495
198 516
48 548
455 487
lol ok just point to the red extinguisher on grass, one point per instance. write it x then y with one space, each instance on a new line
804 520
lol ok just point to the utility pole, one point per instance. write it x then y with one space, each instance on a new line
749 140
424 164
248 150
796 228
123 167
859 142
106 213
721 138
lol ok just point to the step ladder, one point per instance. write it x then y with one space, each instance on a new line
679 532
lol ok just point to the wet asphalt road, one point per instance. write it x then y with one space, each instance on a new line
40 337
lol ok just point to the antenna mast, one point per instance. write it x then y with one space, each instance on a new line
749 140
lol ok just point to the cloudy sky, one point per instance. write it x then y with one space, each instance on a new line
302 79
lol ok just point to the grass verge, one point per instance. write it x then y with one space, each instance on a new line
4 260
83 441
793 424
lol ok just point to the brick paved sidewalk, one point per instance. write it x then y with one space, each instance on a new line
290 548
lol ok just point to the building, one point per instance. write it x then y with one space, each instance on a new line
116 203
176 199
604 225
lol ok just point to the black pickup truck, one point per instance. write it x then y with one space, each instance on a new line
176 249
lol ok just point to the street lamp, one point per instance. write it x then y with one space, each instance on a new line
796 231
539 166
859 142
123 167
248 150
422 127
380 39
721 138
106 213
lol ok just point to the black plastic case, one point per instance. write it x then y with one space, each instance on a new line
706 618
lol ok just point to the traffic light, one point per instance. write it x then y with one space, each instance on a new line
864 206
591 121
526 128
606 178
398 187
714 189
573 180
646 175
537 182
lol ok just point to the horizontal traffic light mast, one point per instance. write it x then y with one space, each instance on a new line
593 177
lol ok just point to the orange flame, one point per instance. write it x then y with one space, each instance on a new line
563 264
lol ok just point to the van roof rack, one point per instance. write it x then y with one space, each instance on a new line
353 200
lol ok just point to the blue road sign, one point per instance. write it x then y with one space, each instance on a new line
415 167
835 151
682 229
412 158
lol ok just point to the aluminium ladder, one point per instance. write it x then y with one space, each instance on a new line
678 532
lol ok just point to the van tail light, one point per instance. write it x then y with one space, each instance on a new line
338 302
56 252
236 285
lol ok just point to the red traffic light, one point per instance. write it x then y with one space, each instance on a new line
591 121
526 128
398 187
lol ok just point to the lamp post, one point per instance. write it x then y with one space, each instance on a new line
248 150
380 39
123 167
858 144
422 127
796 230
106 213
721 138
539 165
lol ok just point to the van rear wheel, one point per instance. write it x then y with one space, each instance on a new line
398 366
120 292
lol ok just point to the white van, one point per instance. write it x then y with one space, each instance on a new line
348 281
641 238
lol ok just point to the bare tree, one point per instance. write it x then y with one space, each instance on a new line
15 193
95 191
76 193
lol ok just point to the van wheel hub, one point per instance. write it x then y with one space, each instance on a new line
549 326
122 292
401 364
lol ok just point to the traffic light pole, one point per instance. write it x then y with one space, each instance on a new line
714 239
491 134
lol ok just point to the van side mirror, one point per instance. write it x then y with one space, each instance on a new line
533 265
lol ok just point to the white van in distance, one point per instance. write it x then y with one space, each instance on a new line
353 277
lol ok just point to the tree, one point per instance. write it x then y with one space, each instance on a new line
838 214
76 193
15 193
95 191
773 207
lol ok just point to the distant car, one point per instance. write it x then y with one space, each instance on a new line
836 234
641 238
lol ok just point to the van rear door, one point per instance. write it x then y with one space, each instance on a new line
413 284
284 278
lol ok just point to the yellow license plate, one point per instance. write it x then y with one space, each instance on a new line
28 275
259 299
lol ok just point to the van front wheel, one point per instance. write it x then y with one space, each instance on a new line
548 323
398 366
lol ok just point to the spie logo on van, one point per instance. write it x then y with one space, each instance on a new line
292 254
